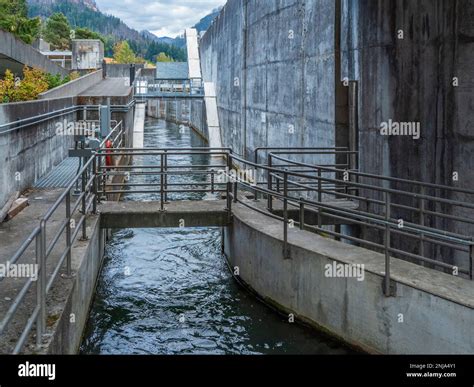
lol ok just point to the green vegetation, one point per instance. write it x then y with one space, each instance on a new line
111 29
155 49
162 57
34 82
57 32
85 33
124 54
14 19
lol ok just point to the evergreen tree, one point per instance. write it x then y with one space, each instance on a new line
85 33
14 19
162 57
57 32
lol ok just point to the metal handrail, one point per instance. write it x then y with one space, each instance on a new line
39 118
43 252
389 224
280 185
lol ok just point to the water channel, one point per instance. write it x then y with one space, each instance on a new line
169 291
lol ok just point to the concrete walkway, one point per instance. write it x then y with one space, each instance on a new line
12 235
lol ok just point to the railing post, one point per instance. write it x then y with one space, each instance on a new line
270 184
301 213
84 202
41 284
39 321
387 244
286 252
422 221
236 190
256 174
68 233
320 197
166 176
104 175
229 188
320 185
471 259
162 183
94 185
212 181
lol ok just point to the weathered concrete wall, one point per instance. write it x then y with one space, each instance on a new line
26 154
73 88
87 256
18 51
418 320
411 80
273 66
190 112
120 70
87 54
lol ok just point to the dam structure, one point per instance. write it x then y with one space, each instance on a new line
302 184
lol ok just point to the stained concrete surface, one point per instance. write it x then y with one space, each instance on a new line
12 234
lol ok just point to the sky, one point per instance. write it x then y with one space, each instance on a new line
162 17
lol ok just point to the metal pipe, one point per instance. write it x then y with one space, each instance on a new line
68 234
286 251
270 185
387 245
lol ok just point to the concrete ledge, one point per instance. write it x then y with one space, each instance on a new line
432 312
210 213
75 87
87 258
20 52
34 150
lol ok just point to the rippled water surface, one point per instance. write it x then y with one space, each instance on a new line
169 291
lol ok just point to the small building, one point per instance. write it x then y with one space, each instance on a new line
62 58
87 54
172 76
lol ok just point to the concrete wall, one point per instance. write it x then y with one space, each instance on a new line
120 70
28 153
190 112
16 50
87 54
273 66
77 295
411 80
277 70
431 313
75 87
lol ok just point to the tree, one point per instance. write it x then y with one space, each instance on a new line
124 54
57 32
85 33
14 19
162 57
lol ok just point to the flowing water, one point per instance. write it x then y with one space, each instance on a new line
169 291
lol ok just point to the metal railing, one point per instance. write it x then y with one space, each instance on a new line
74 223
165 173
151 87
40 118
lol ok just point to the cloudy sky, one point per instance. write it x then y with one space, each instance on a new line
162 17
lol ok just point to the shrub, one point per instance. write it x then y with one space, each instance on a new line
34 82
